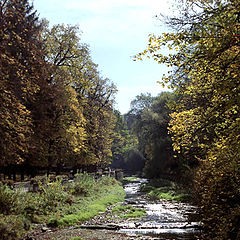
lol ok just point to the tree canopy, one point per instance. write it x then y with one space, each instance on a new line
56 109
204 57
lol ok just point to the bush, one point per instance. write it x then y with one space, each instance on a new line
12 227
84 184
165 189
92 206
31 205
218 193
8 200
107 181
52 194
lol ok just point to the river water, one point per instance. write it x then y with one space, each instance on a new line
164 219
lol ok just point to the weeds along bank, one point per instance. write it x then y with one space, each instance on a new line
56 204
166 189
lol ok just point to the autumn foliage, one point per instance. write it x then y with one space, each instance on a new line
55 108
204 56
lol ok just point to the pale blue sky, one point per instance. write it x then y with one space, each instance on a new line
115 30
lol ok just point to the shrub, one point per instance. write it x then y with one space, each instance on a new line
218 193
8 200
107 181
31 205
84 184
12 227
89 208
52 194
165 189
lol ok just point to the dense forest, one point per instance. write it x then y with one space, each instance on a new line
56 110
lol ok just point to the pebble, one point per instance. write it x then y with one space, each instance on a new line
45 229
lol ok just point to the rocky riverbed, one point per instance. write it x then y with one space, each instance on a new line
163 219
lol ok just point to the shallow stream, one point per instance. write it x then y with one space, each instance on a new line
164 219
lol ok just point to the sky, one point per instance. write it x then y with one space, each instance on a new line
115 30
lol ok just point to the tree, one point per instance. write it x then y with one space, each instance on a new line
205 124
151 128
141 102
22 68
100 122
76 75
124 147
56 109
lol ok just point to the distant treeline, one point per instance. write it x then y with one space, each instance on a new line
144 130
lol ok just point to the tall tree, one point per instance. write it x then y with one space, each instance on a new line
74 72
151 129
205 125
124 147
22 68
100 121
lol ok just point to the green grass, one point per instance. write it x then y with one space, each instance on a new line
88 208
56 204
165 189
128 211
130 179
159 193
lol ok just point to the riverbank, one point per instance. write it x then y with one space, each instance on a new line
166 189
98 211
55 205
121 221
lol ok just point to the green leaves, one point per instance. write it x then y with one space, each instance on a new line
204 60
148 120
21 61
56 109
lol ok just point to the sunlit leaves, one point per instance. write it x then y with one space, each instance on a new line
203 54
51 94
88 112
22 65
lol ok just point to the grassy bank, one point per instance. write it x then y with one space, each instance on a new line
165 189
129 211
131 179
56 204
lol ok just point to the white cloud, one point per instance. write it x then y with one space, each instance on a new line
116 15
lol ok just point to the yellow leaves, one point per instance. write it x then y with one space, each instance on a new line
182 126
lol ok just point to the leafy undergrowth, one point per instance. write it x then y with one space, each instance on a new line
89 207
56 204
128 212
130 179
165 189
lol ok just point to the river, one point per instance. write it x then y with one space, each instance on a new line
164 219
